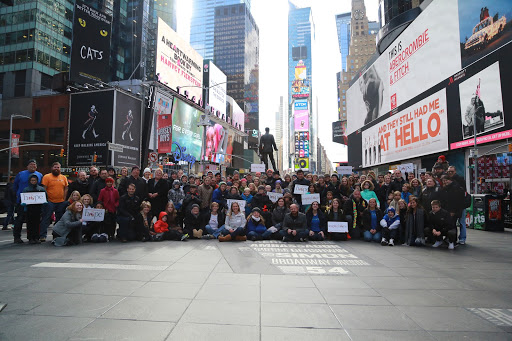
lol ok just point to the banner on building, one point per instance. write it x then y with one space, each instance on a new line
185 131
216 143
216 84
127 130
163 117
300 85
418 130
301 118
90 52
15 149
338 132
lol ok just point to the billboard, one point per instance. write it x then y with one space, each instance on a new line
420 129
338 132
251 96
301 118
90 127
302 144
216 142
301 164
127 130
162 109
237 114
90 51
300 85
178 65
185 131
485 28
216 82
412 59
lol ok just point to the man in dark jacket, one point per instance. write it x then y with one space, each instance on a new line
353 210
140 185
99 185
266 143
129 207
192 197
93 176
440 224
333 186
382 191
81 184
299 181
430 193
452 197
261 200
295 226
397 183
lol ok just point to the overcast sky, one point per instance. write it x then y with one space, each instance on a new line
272 19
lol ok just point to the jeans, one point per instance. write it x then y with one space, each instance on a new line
126 228
462 221
58 207
259 236
291 237
10 213
214 232
369 237
389 234
239 231
18 222
316 236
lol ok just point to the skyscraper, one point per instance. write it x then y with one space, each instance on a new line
236 53
202 24
343 28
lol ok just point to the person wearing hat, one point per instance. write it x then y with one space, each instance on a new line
255 228
99 185
21 181
141 187
81 184
390 224
109 196
146 175
220 195
33 212
192 197
176 195
193 222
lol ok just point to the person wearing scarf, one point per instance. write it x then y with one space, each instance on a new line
353 209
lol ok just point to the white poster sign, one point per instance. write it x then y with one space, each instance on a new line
93 214
344 170
412 59
300 189
274 196
33 198
418 130
240 203
337 226
258 167
217 89
212 168
308 199
406 168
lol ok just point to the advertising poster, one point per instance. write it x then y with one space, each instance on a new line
177 63
216 81
90 51
300 85
251 96
301 163
90 127
127 130
185 131
412 59
301 120
418 130
481 100
338 132
163 112
237 114
485 28
15 143
302 144
216 143
229 148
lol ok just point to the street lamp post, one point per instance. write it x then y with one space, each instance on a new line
10 143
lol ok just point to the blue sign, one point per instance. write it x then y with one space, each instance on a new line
179 154
301 105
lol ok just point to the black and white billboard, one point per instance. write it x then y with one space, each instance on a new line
90 51
90 127
127 130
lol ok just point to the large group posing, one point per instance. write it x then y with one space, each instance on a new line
389 209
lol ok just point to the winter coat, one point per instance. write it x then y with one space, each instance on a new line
81 186
368 194
110 199
415 225
278 215
220 198
298 222
67 223
367 219
161 226
452 198
255 226
396 185
191 222
427 196
248 203
390 223
262 202
441 221
235 221
128 206
176 196
141 187
205 193
162 188
96 188
190 199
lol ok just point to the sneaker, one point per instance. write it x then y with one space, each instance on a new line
451 246
391 242
462 242
42 239
184 237
18 241
383 242
419 241
437 243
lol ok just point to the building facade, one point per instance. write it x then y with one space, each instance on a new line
343 29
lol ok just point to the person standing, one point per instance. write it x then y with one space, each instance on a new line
109 196
33 211
158 188
93 176
127 210
56 186
141 189
20 183
205 192
80 184
99 185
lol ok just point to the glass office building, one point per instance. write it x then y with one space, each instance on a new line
202 24
236 53
343 28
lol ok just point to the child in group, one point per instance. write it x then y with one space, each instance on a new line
161 227
33 211
396 197
95 231
390 224
406 193
247 196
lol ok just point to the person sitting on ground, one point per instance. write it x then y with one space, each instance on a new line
175 230
295 226
368 191
192 223
390 226
214 222
261 199
327 201
94 231
353 209
317 222
441 226
278 214
234 229
161 228
143 222
68 230
247 196
33 212
255 228
371 222
335 213
415 224
402 212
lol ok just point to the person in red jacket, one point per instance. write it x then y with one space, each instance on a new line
109 196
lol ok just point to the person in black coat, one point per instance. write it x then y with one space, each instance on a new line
299 181
317 222
81 184
261 200
353 209
191 198
207 220
141 189
143 221
129 205
397 183
158 188
440 225
452 197
430 193
193 223
99 184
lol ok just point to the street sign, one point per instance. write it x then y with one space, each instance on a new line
153 157
115 147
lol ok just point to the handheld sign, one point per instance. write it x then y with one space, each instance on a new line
93 214
344 170
258 167
240 203
307 199
337 226
406 168
33 198
274 196
300 189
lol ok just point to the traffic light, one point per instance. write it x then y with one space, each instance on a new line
62 152
95 158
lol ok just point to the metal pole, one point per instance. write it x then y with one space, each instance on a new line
10 148
475 156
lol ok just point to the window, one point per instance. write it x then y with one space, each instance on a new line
62 114
34 135
56 135
37 115
299 52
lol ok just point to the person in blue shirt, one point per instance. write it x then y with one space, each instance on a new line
317 222
20 183
390 224
255 227
220 196
371 222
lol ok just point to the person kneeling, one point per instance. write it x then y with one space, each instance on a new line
295 226
68 230
390 224
256 229
440 225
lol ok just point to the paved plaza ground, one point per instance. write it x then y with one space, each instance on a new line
206 290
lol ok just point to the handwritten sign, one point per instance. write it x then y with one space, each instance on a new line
344 170
240 203
212 168
33 198
300 189
406 168
258 167
93 214
274 196
337 226
307 199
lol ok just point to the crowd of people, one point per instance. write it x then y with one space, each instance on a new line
389 209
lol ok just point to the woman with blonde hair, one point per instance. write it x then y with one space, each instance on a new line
68 230
234 228
86 201
367 191
75 196
143 222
